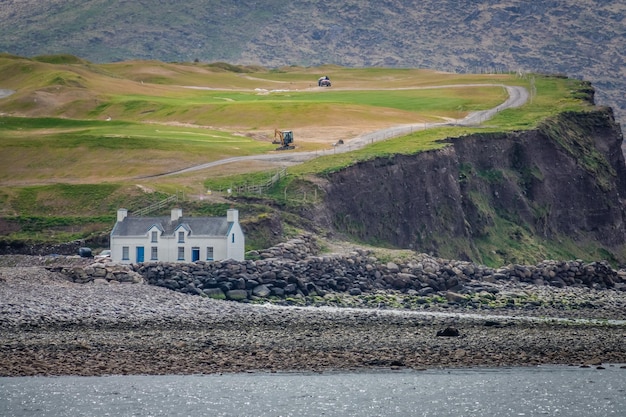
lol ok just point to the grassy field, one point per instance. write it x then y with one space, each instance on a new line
88 123
76 132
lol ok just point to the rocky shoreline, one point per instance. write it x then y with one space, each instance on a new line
52 326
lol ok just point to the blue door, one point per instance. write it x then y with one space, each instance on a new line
140 253
195 254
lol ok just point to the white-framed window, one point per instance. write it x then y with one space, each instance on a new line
209 253
232 238
154 253
181 253
181 237
154 236
125 253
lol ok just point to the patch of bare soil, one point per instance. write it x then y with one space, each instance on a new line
305 136
51 100
331 135
321 137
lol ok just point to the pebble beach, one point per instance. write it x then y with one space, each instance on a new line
51 326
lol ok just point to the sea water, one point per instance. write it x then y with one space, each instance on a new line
519 391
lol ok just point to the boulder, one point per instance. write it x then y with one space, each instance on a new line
261 291
425 291
454 297
392 267
355 291
99 271
215 293
279 292
448 332
237 295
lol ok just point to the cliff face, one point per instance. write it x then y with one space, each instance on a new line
509 197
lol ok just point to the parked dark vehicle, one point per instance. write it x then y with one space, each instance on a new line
85 253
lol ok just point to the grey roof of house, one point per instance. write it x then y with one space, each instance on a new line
199 226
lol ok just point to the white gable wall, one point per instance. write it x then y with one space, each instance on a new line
235 243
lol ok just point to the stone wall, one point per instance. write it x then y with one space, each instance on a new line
100 272
293 269
359 273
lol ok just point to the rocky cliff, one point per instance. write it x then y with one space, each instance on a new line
556 191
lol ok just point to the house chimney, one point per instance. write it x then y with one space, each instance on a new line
232 216
121 214
177 213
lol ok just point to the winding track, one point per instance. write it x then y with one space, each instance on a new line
518 96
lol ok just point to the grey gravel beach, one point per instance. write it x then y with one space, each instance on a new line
51 326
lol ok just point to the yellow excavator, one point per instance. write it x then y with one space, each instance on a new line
284 138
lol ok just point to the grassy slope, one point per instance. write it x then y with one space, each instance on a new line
66 169
156 128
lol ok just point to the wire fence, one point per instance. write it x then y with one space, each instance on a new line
256 187
156 206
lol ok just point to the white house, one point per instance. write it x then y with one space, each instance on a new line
177 238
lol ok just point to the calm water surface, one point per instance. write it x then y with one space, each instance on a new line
537 391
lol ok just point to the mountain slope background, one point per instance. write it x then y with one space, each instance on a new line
582 39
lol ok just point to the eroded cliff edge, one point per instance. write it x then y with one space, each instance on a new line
554 192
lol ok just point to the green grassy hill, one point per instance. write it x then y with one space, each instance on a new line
88 123
79 140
